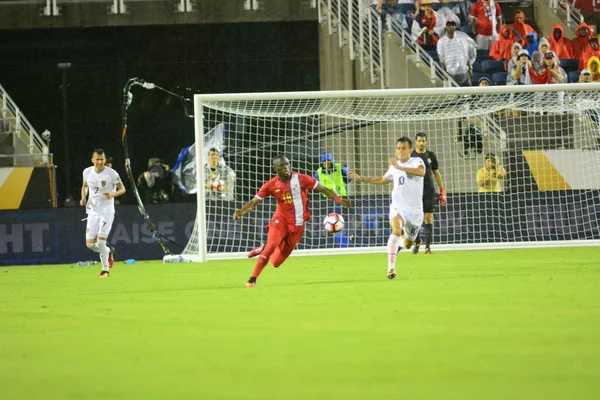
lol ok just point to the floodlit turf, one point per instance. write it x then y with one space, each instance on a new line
522 324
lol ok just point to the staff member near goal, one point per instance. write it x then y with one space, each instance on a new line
430 197
102 184
489 177
287 224
406 208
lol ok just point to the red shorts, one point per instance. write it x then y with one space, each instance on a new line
282 240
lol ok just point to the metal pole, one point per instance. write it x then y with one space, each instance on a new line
64 67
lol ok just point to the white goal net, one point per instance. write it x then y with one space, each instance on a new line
547 138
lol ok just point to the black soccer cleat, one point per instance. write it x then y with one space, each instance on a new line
104 274
428 250
418 244
391 274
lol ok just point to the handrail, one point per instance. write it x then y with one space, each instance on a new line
360 28
10 111
572 14
436 71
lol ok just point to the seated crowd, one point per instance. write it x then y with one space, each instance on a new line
475 48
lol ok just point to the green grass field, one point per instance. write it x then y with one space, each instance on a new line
521 324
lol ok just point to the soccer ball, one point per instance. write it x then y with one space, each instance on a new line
218 185
333 223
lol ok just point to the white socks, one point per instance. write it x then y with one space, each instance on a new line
393 244
104 252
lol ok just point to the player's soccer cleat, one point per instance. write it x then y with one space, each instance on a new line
111 257
391 274
256 251
251 282
418 244
428 251
103 274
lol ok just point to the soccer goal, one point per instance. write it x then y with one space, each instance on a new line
546 137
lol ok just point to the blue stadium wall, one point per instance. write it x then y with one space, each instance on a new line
57 235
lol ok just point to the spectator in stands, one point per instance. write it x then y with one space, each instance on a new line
457 53
585 76
531 43
537 59
521 27
520 74
516 48
460 8
560 45
484 81
489 177
445 13
445 8
426 26
399 9
333 175
551 72
502 48
591 51
594 67
580 43
219 178
486 19
392 9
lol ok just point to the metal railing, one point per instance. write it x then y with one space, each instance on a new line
436 72
572 14
20 125
360 29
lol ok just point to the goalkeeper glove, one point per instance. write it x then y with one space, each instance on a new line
442 197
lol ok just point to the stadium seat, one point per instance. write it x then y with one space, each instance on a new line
569 64
477 66
484 58
573 76
499 78
492 66
483 53
478 75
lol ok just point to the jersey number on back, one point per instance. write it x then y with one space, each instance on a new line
401 180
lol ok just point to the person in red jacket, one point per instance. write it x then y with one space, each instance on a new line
580 43
520 26
501 48
560 45
591 51
486 18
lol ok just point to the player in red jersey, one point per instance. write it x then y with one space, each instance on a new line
287 224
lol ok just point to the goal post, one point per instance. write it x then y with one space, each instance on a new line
546 137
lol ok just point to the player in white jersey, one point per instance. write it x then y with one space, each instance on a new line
102 184
406 208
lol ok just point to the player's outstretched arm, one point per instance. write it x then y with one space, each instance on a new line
246 208
377 180
332 195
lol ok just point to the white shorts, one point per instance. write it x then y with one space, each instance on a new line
485 42
412 221
99 225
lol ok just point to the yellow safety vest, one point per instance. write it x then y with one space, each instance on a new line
334 181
